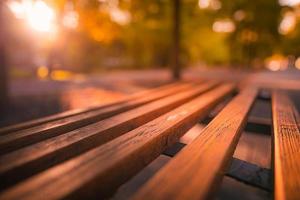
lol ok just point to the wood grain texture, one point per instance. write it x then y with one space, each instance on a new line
35 122
286 141
196 171
98 172
15 140
34 158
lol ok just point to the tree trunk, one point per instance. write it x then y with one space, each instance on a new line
176 40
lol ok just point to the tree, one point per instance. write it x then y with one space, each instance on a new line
256 36
176 39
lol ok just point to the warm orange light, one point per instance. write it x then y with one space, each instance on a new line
116 13
71 17
289 2
223 26
61 75
277 62
274 65
239 15
70 20
209 4
288 23
37 14
297 63
88 97
204 3
42 72
120 16
41 17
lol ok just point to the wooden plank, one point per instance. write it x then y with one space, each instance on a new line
197 170
255 148
101 170
32 159
286 148
23 138
35 122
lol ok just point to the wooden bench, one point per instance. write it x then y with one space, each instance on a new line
91 153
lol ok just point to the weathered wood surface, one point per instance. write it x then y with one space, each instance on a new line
99 171
34 158
286 141
202 164
255 148
32 123
15 140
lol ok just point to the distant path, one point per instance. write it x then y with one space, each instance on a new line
125 82
131 81
35 98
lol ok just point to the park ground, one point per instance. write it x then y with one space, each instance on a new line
33 98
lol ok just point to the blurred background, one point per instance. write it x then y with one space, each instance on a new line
57 55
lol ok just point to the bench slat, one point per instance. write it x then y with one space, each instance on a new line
35 122
23 138
198 169
104 168
36 157
286 148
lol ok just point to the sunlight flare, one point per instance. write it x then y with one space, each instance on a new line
289 2
37 14
288 23
223 26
